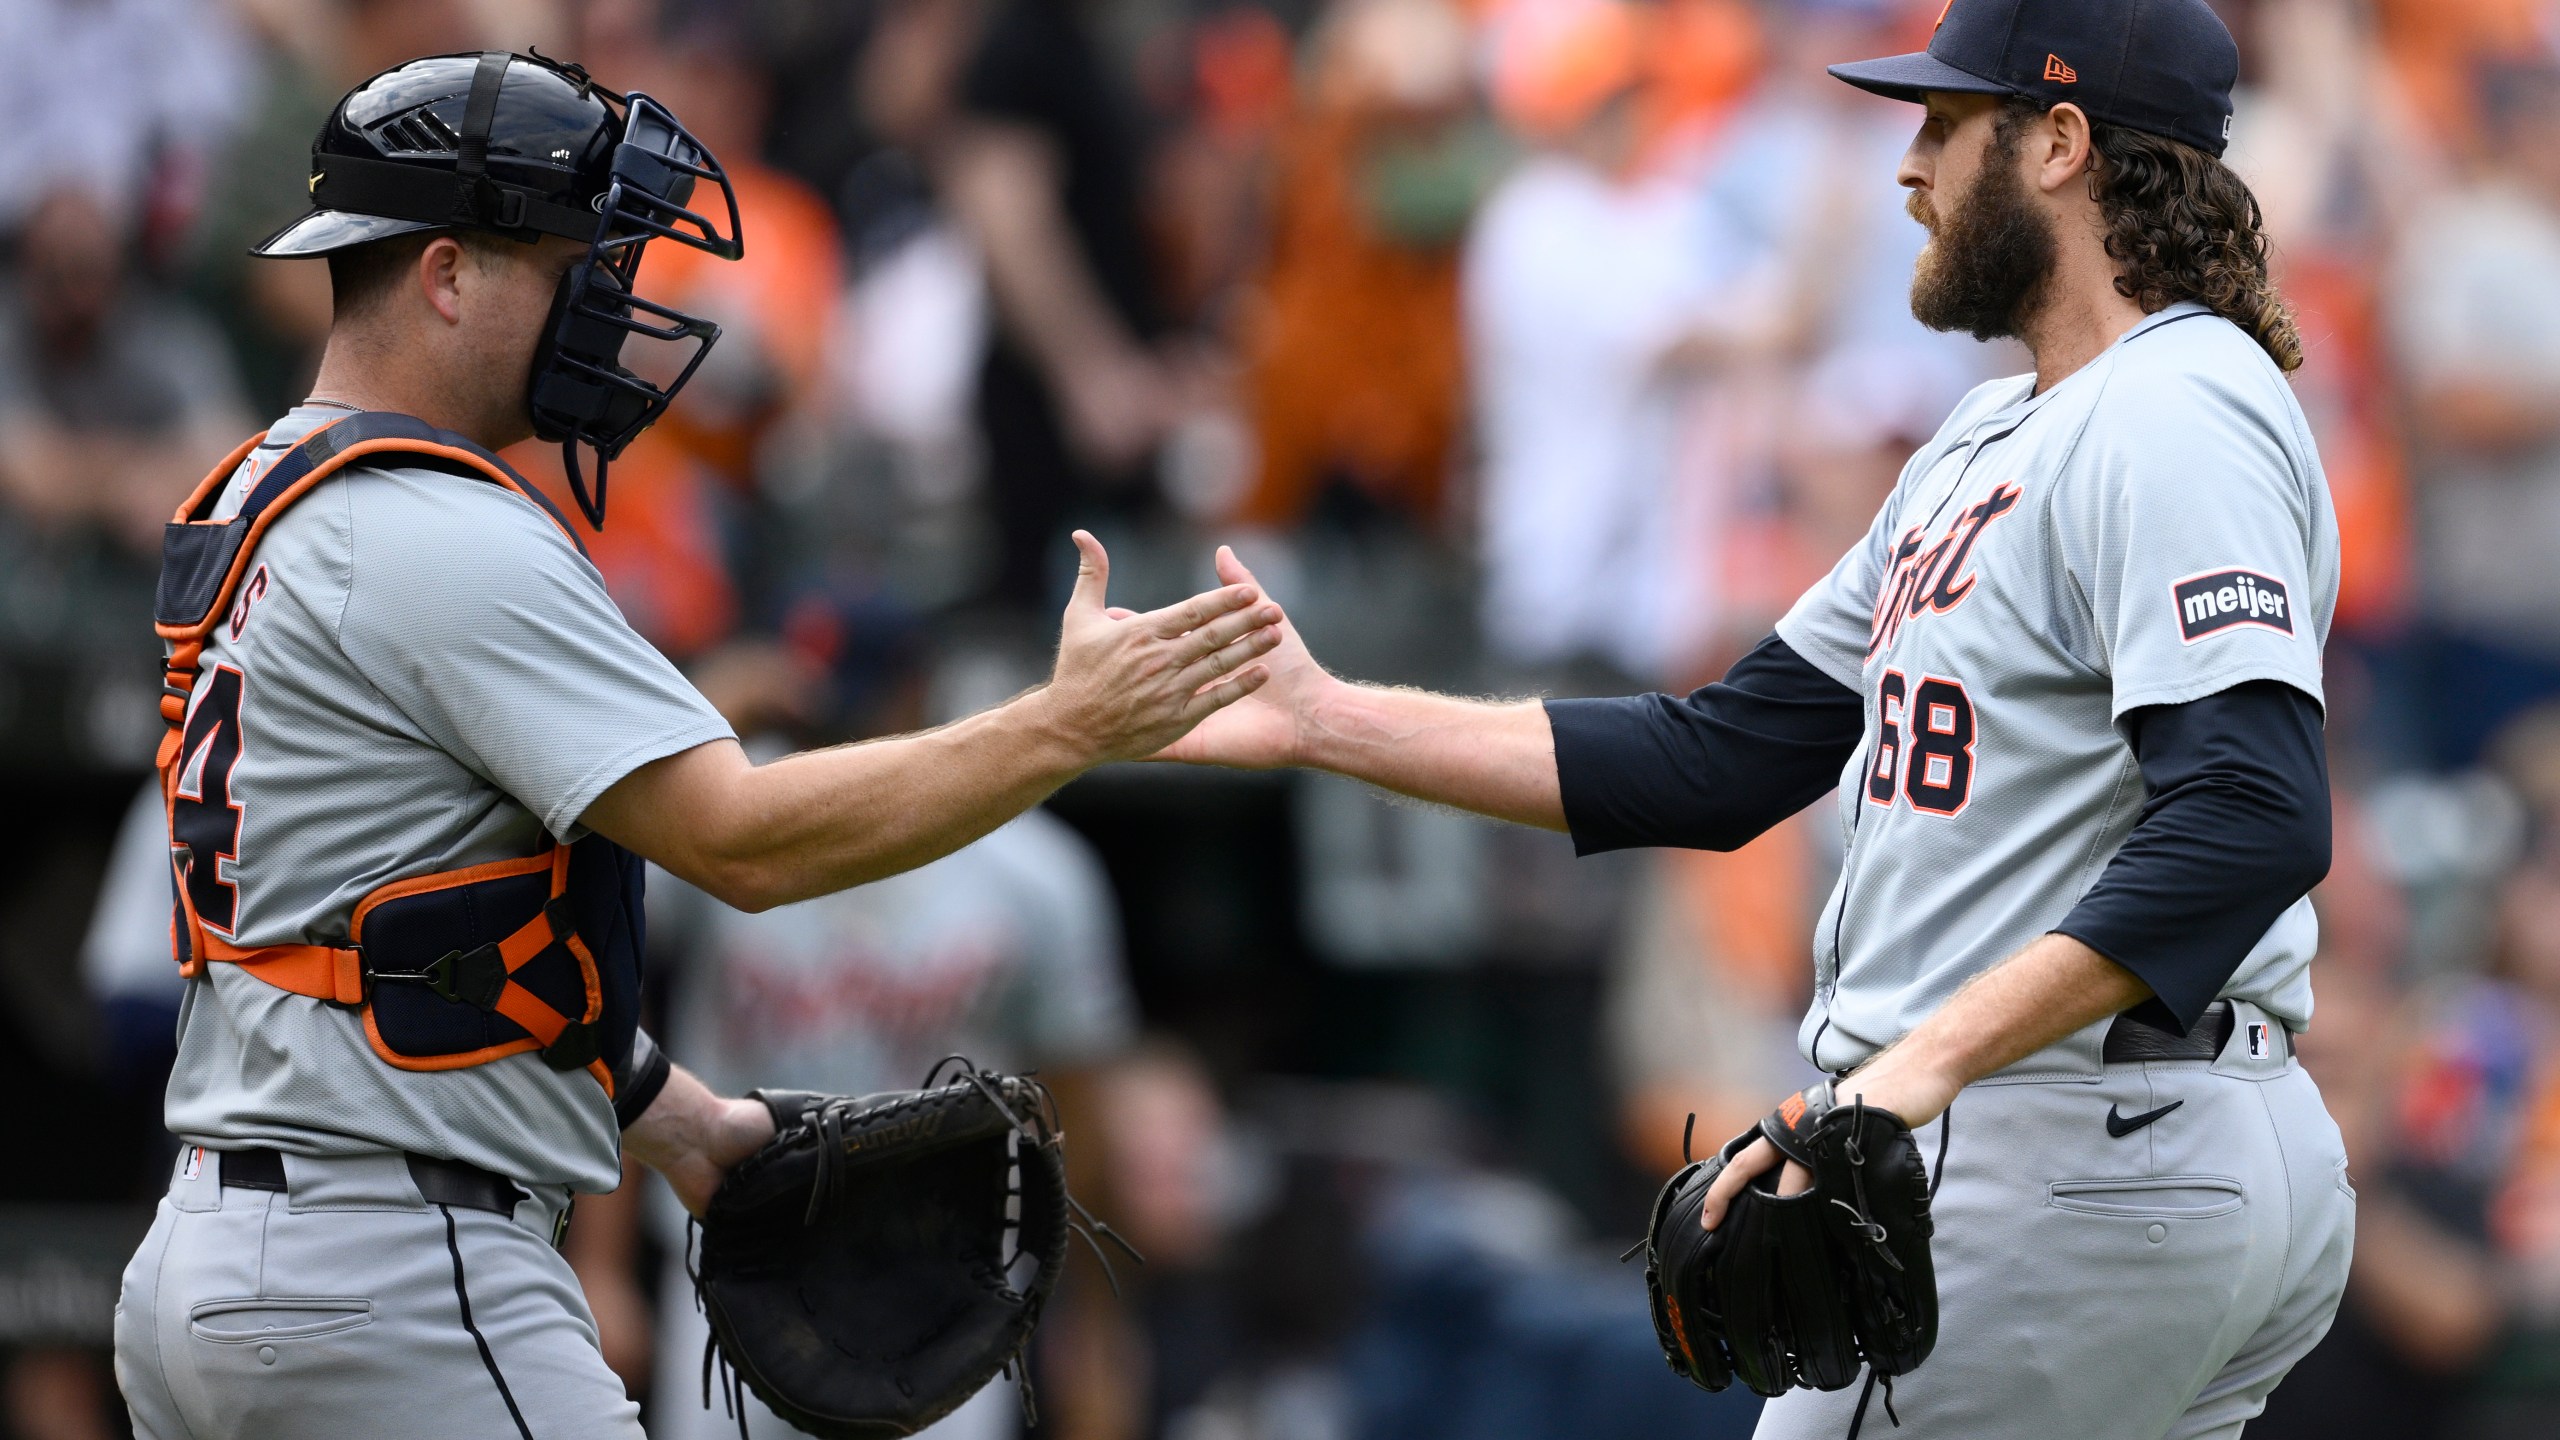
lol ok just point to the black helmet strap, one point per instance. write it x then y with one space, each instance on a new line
487 202
480 113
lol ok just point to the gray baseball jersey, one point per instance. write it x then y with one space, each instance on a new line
432 677
2152 530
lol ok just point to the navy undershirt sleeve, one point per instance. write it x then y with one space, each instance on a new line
635 1090
2235 829
1708 770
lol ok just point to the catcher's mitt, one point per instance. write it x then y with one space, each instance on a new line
885 1256
1800 1290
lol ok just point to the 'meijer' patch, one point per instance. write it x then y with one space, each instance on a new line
2211 603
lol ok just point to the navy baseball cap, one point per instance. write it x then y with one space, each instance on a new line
2161 66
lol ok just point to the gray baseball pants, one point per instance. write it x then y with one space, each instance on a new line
2153 1285
348 1305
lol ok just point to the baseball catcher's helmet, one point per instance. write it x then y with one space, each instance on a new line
525 146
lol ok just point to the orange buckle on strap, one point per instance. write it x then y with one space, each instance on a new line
333 973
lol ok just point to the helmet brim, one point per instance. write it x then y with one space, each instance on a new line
323 231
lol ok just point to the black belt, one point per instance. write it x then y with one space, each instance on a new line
2130 1041
442 1182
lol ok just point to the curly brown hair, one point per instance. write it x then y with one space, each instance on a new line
2184 227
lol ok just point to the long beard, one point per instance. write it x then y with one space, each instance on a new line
1987 261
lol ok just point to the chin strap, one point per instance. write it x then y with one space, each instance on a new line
592 508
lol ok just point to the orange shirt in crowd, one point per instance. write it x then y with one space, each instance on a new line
1703 56
2345 382
2436 47
1355 355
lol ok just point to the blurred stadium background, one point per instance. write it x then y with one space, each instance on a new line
1522 345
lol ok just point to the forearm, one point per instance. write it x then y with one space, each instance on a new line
1494 757
822 821
1122 688
825 820
2054 986
2047 991
2236 829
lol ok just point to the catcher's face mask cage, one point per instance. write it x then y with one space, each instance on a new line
581 391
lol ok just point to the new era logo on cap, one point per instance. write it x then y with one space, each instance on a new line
2161 66
2217 600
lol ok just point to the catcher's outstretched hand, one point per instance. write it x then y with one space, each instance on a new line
1265 729
1126 685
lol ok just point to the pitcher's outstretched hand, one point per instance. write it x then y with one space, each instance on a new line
1268 729
1127 685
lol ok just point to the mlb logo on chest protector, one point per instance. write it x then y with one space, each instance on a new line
2210 603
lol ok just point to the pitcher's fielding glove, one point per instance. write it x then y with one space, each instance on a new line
1800 1290
1680 1257
885 1256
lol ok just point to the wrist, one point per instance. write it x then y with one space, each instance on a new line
1330 726
689 1122
691 1137
1052 738
1913 1084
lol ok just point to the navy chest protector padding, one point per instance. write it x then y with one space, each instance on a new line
430 1000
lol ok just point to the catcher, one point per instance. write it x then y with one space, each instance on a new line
415 758
2069 693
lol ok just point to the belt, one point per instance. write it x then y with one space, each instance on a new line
442 1182
2130 1041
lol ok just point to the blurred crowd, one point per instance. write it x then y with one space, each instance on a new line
1521 346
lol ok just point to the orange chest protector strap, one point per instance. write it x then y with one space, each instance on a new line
449 969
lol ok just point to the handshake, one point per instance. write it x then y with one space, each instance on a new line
1172 683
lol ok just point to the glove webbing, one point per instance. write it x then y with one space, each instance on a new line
1081 1223
1875 1233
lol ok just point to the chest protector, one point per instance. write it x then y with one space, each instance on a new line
449 969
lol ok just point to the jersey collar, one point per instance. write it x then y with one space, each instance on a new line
2019 409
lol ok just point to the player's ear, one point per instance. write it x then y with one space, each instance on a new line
439 277
2062 146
